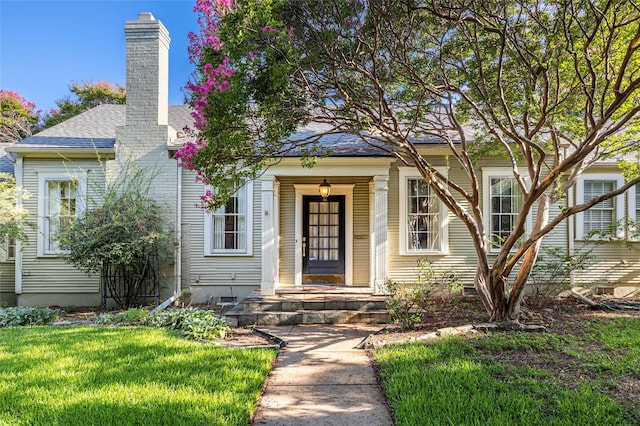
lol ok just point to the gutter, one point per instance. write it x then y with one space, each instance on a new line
42 149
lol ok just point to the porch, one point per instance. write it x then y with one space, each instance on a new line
339 239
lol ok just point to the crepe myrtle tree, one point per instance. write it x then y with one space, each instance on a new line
83 97
18 117
551 86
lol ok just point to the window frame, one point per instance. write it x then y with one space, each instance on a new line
208 228
5 250
487 174
619 209
406 173
633 206
81 191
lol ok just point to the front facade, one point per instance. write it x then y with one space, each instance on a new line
278 232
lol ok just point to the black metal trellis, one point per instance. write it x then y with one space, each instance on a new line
134 283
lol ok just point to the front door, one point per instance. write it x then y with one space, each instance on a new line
323 240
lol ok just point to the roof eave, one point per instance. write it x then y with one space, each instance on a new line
48 151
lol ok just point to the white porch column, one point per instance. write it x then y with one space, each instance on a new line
269 236
379 188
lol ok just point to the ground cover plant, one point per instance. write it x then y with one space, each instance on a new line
125 376
585 370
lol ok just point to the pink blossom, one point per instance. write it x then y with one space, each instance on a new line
206 200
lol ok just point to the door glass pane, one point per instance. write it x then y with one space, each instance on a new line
324 230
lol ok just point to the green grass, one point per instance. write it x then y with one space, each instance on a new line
125 376
518 378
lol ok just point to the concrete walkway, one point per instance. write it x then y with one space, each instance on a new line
320 379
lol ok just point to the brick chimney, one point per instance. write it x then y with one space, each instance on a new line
147 71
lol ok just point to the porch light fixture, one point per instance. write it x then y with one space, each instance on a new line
325 190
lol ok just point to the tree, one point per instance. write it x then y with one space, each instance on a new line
551 87
122 238
87 96
13 217
18 118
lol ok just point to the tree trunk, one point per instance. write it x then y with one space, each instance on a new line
528 260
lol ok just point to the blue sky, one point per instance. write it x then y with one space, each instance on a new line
47 44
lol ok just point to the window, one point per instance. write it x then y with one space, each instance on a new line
502 203
11 248
604 214
8 251
423 217
228 229
60 204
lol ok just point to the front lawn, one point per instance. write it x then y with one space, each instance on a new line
590 376
125 376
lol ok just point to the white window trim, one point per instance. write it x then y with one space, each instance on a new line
412 173
208 230
4 251
632 208
631 202
487 174
618 200
43 178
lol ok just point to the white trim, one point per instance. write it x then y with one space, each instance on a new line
631 202
336 189
379 235
332 166
618 200
411 172
487 174
208 232
81 193
268 188
18 265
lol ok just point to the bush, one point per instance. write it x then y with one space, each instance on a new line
133 316
408 303
550 275
196 324
25 315
191 323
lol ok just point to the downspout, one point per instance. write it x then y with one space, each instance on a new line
178 264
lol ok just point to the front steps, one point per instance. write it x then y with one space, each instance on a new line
310 305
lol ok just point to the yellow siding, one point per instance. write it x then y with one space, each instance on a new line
211 277
7 278
52 274
461 256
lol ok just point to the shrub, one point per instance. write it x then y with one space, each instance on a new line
122 237
132 316
25 315
402 301
192 323
550 275
408 303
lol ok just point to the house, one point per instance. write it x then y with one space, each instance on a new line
379 218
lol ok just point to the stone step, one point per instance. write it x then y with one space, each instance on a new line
284 304
240 318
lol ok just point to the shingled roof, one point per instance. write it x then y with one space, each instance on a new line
95 128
